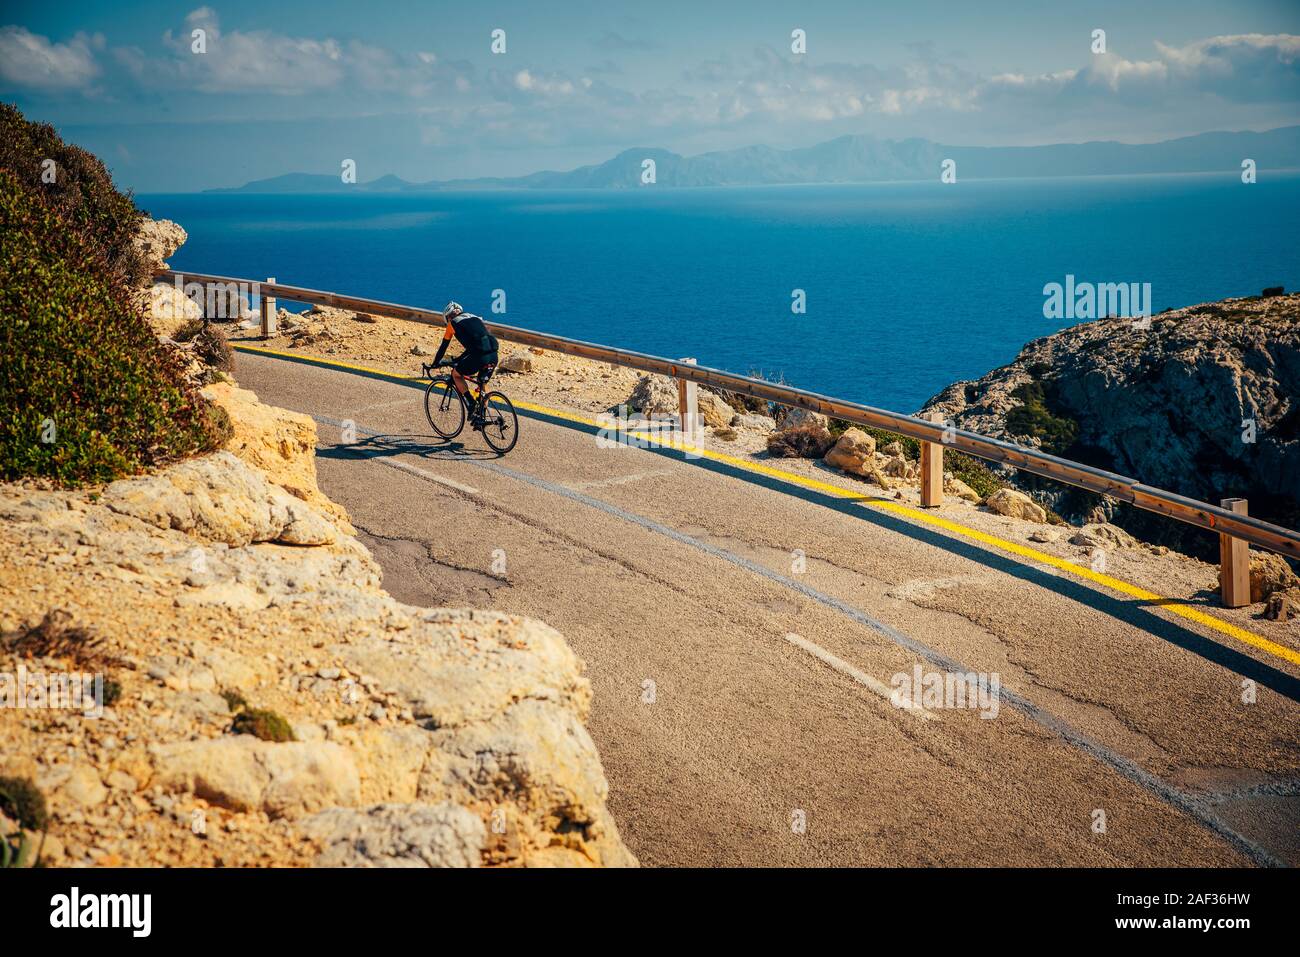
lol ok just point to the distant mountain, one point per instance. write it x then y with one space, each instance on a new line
859 159
316 183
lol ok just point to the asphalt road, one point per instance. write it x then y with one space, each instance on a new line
742 635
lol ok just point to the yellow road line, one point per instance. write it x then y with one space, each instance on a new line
915 514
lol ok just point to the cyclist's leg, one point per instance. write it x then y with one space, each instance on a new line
469 364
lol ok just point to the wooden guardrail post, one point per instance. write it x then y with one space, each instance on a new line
1234 562
269 321
932 469
688 405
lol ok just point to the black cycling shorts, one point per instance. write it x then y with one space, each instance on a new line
471 363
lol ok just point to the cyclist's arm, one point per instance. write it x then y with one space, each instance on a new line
446 341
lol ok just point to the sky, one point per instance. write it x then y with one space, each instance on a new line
416 88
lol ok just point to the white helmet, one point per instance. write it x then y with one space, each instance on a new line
452 309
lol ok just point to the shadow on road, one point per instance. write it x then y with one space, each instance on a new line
432 447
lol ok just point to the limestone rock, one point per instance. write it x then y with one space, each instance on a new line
955 486
170 310
469 665
157 239
714 412
1269 573
244 773
279 442
853 452
1007 501
657 395
398 835
654 394
797 415
517 362
1103 536
752 420
79 785
1283 605
218 498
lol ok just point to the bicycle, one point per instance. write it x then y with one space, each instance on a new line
491 413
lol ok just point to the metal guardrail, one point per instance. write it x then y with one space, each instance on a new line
1226 522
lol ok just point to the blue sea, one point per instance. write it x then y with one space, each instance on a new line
909 286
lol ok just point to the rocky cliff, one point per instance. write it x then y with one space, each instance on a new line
1204 402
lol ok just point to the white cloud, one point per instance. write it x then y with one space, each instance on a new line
30 60
260 61
1246 67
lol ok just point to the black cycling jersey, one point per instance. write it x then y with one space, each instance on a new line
480 345
472 334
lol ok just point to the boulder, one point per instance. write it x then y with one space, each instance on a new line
955 486
1007 501
516 362
228 302
752 420
654 394
398 835
170 310
157 239
797 415
1283 605
714 412
899 467
217 498
1103 535
1269 573
78 785
1164 404
279 442
657 395
854 451
244 773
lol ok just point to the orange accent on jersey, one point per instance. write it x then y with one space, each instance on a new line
448 333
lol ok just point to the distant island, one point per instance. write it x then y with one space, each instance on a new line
855 159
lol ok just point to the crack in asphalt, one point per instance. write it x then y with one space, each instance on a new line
428 553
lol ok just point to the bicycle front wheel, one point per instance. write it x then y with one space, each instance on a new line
500 424
443 407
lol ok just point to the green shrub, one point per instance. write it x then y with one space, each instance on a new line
22 801
89 394
263 724
82 194
748 403
210 345
807 441
112 692
1036 419
234 700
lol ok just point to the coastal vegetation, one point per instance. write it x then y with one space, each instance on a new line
89 394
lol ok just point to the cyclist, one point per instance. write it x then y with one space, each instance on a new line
480 347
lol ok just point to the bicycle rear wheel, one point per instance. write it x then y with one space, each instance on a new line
500 424
443 407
